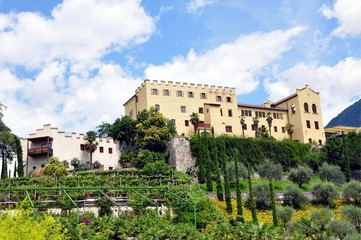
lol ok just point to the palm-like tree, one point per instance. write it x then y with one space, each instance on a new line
289 128
243 124
255 125
269 120
91 144
194 119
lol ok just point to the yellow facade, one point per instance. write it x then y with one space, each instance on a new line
217 107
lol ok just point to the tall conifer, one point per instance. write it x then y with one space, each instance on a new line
238 187
216 166
227 190
207 163
251 197
200 161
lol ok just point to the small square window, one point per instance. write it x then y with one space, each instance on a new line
110 150
190 95
308 123
101 149
179 93
320 142
275 129
186 123
154 91
228 128
203 96
34 167
157 106
221 111
283 129
229 99
219 98
316 125
82 147
200 110
166 92
183 109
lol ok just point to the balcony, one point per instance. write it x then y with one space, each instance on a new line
40 152
204 126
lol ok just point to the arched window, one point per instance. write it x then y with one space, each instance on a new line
314 108
306 107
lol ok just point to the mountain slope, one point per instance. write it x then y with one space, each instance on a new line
351 116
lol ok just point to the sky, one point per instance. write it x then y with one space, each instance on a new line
74 63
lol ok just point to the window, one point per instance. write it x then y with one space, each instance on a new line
136 98
260 114
43 165
179 93
277 115
110 150
82 147
219 99
320 142
308 123
157 106
245 126
34 167
200 110
190 95
154 91
221 111
314 108
305 106
316 125
246 113
166 92
228 99
283 129
203 96
131 113
186 123
101 149
310 140
275 129
228 128
253 127
230 113
183 109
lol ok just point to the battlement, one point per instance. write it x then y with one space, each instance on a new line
184 85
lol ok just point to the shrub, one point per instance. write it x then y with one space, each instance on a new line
353 215
262 196
332 173
295 196
157 168
232 172
300 175
285 214
324 193
353 190
146 156
270 170
342 228
353 236
321 218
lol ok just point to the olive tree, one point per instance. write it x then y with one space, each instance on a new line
300 175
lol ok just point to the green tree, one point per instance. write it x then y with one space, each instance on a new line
273 204
269 120
332 173
215 160
285 214
251 196
353 215
200 160
19 156
352 190
261 193
324 193
270 170
300 175
123 129
342 228
194 119
55 168
91 144
321 218
290 129
227 190
238 187
207 162
295 196
331 152
157 168
152 132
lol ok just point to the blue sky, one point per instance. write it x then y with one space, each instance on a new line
74 63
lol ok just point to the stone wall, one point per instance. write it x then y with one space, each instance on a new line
180 156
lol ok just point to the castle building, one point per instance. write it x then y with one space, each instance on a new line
49 141
218 108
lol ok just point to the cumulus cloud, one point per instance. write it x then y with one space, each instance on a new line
196 6
233 64
77 31
68 84
348 14
338 85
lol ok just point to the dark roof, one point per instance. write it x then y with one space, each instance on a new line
129 100
284 99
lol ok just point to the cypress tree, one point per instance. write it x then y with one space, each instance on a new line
4 169
207 162
217 170
200 161
227 190
15 170
238 188
251 197
19 156
273 204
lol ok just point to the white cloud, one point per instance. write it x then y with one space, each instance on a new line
233 64
196 6
338 85
348 14
77 31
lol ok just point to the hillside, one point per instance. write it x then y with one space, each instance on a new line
351 116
